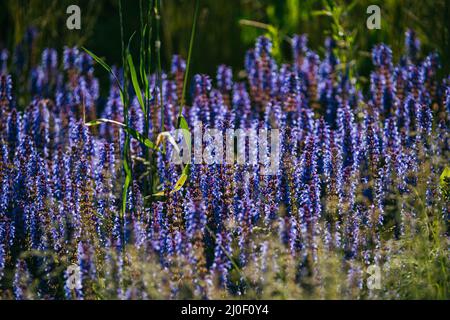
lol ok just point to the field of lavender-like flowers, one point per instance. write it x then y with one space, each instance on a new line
357 209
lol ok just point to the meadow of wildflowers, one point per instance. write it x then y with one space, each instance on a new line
362 181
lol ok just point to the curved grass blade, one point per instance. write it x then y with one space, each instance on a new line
142 66
179 184
445 175
135 82
182 124
132 132
125 100
128 177
191 45
157 5
105 66
169 137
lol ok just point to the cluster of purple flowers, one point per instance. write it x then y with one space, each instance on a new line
344 155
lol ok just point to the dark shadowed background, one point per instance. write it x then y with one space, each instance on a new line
227 28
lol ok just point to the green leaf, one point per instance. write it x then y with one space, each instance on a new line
159 194
97 122
168 136
132 132
188 64
106 67
179 184
142 72
127 182
98 60
182 124
125 101
445 175
322 13
135 81
142 55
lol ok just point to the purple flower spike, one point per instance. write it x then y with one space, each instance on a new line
5 89
224 78
4 55
70 58
412 45
382 56
263 47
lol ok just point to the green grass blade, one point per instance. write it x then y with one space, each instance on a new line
143 35
169 137
158 58
179 184
132 132
191 46
445 175
105 66
98 60
128 178
148 94
182 124
125 101
142 66
135 82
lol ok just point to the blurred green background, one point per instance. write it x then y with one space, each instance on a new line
227 28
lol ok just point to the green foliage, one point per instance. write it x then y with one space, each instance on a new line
345 39
142 138
412 267
135 82
415 266
183 125
221 38
132 132
188 64
444 182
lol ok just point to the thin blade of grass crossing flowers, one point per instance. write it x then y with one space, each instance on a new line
98 60
128 175
272 32
125 101
179 184
128 178
182 124
169 137
123 97
105 66
132 132
143 66
158 57
235 265
182 180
